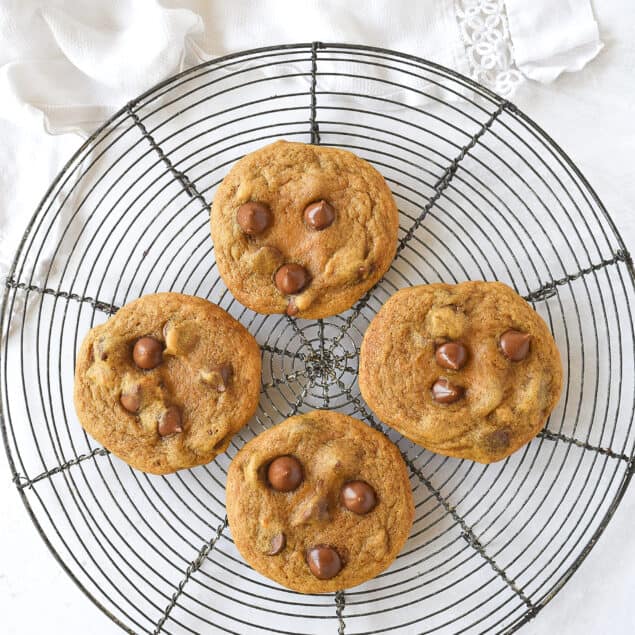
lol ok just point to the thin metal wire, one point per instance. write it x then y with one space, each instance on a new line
340 604
182 178
477 184
548 290
106 307
21 482
194 566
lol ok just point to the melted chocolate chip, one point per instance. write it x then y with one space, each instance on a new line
497 441
218 377
180 339
278 543
358 497
292 309
131 400
226 372
324 562
452 355
254 218
515 345
291 278
285 473
222 442
99 350
313 511
363 271
446 392
170 422
147 353
319 215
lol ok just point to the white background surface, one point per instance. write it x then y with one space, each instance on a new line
592 115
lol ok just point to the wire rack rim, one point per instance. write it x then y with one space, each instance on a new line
311 48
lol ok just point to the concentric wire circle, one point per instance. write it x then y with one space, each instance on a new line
483 193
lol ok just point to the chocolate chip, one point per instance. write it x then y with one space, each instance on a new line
278 543
363 271
285 473
319 215
254 218
497 441
292 309
180 338
310 512
324 562
291 278
99 351
170 422
515 345
219 376
226 372
452 355
131 400
444 391
222 442
358 497
147 353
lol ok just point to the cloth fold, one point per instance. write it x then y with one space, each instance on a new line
77 62
86 60
550 38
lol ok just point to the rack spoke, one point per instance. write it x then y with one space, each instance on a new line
293 376
298 332
181 177
444 181
340 603
301 397
468 533
556 436
315 128
278 351
325 390
549 289
23 482
105 307
194 566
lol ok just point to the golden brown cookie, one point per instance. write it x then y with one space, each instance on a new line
166 382
467 370
303 229
319 502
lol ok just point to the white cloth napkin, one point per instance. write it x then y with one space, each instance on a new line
552 37
70 64
78 62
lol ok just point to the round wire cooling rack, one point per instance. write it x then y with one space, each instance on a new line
483 193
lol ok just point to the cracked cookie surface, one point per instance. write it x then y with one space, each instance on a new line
319 502
467 370
166 382
303 229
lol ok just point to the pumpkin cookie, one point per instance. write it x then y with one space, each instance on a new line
319 502
467 370
303 229
166 382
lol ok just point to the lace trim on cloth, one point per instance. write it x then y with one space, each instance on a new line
490 55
